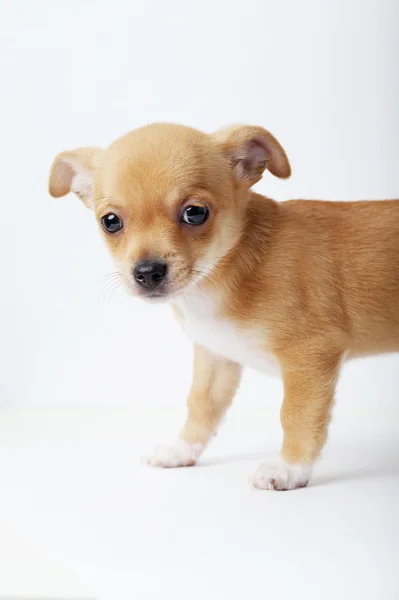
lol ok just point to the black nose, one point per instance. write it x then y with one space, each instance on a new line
149 274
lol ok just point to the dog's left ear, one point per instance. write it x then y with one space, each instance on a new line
251 150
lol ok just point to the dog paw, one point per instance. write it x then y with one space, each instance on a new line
281 477
179 454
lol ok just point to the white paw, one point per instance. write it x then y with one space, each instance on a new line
281 477
179 454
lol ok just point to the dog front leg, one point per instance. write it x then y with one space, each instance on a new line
309 383
214 385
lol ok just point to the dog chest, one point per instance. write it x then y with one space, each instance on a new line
222 337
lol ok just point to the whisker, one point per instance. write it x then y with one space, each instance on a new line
115 273
209 273
212 280
110 284
112 292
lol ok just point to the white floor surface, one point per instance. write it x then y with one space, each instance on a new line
81 518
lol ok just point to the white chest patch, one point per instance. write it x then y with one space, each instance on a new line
222 337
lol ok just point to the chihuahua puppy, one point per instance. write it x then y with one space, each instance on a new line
298 285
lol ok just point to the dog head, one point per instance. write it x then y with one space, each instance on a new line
170 200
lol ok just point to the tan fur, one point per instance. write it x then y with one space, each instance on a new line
214 385
310 281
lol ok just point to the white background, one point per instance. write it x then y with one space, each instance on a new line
89 376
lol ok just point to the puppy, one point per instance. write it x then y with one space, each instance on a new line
298 285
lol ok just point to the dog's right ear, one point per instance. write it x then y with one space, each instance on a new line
73 171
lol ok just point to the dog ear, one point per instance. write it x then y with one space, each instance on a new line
73 171
251 150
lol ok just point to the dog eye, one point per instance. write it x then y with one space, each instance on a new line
195 215
111 223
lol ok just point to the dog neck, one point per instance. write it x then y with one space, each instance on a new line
231 285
